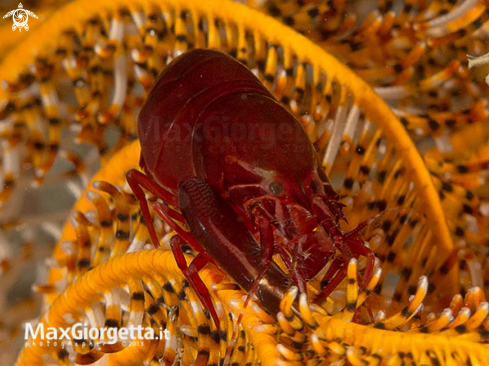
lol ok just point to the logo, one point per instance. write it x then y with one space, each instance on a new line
20 17
80 334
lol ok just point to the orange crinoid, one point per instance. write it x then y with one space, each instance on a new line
384 92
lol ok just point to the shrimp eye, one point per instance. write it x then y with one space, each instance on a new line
276 187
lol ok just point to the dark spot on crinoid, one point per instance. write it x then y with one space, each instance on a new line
411 290
122 235
313 12
381 205
204 329
381 176
348 184
138 296
289 20
379 326
446 186
467 209
63 354
434 125
215 336
364 169
360 150
459 231
111 323
84 263
204 352
484 333
351 307
168 287
153 309
274 11
391 256
400 200
223 334
406 273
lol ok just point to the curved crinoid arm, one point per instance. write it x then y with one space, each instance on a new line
456 335
135 290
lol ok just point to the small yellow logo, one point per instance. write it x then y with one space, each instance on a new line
20 17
